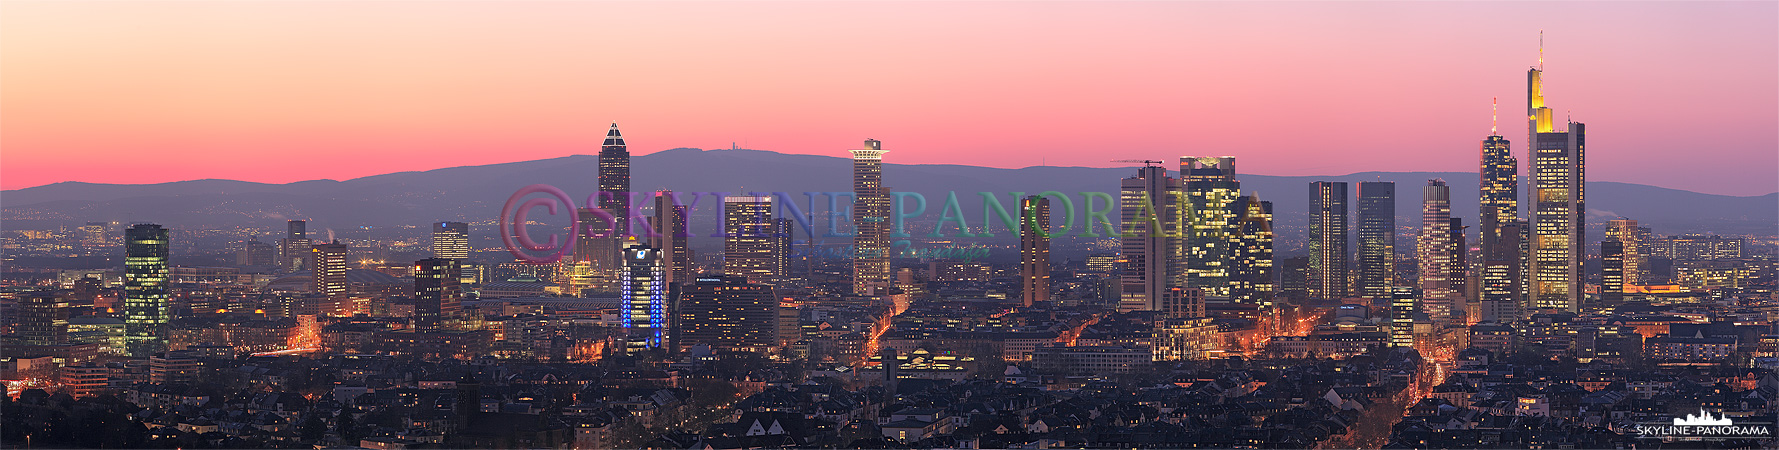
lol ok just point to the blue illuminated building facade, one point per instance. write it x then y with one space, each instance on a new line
644 289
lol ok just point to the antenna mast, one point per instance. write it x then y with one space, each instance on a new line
1540 50
1494 114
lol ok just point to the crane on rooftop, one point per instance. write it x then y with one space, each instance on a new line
1146 162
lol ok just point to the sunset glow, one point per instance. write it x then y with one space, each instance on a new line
146 92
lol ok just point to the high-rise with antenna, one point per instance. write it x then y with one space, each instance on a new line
1558 201
1501 293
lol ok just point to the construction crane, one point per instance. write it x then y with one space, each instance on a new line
1147 163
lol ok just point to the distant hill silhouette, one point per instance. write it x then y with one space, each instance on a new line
476 193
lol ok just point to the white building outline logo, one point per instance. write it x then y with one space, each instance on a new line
1704 418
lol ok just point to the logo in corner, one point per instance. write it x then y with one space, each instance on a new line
1705 426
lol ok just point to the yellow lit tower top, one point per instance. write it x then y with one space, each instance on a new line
1538 115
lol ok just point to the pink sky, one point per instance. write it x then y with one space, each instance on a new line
1682 95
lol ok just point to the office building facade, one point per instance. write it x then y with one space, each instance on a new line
729 314
1502 232
1251 254
294 248
1626 232
329 262
450 240
437 295
1328 240
870 218
749 240
145 289
1376 233
643 291
1151 238
1434 251
1559 182
1402 316
1211 191
1034 251
1612 271
670 236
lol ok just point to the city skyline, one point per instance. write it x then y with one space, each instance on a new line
399 104
660 296
1193 307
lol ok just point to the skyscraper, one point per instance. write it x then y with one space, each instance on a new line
586 243
145 289
1434 252
1628 233
256 253
643 290
1402 316
670 237
781 250
1150 240
330 271
614 177
1294 277
1376 231
1211 191
728 314
603 252
1500 194
450 240
1458 273
870 218
92 235
1328 240
43 318
1612 271
294 248
1034 250
1251 257
748 239
1503 263
586 271
1558 196
437 296
1502 280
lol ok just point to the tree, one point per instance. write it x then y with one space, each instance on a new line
313 427
345 426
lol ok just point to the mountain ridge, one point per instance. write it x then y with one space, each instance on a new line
476 192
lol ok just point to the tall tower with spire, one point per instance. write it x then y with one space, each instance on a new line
1558 201
1501 234
870 217
614 177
